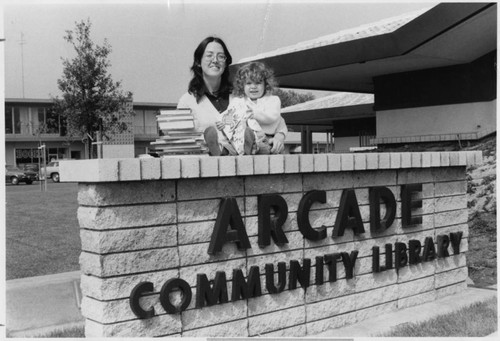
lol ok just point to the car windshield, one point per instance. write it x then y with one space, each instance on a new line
12 168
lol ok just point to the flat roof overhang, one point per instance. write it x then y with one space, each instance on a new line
48 102
447 34
323 119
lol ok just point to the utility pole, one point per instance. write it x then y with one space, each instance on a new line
22 42
42 150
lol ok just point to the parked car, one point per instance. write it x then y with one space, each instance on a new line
14 175
31 167
52 170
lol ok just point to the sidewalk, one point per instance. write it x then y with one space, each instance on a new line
37 305
420 313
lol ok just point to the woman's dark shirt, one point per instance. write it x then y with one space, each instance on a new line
220 102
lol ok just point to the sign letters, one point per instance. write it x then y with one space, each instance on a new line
272 215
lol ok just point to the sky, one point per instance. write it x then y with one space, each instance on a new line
153 41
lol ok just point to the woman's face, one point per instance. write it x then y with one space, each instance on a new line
213 61
254 90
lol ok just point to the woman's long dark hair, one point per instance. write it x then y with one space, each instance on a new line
197 84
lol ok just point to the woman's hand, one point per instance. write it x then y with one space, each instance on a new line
278 143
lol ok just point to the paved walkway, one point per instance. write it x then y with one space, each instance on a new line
420 313
37 305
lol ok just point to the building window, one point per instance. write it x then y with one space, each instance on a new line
31 120
9 126
16 117
56 154
365 137
48 121
52 121
12 120
28 155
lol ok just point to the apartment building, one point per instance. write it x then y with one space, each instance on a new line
30 123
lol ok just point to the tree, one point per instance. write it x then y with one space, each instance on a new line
92 104
290 97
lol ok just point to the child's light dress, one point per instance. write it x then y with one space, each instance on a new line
233 136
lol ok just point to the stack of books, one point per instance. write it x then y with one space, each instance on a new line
178 134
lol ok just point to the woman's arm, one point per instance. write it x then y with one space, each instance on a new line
184 101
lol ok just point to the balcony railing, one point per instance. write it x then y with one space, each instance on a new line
30 129
35 130
149 130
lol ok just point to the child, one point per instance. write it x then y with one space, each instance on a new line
254 105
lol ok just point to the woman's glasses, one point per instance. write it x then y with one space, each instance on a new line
221 58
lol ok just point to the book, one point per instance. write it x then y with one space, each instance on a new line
169 125
174 119
173 142
161 118
175 112
179 150
178 134
231 121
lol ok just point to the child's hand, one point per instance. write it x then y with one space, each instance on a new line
220 125
277 143
228 120
249 114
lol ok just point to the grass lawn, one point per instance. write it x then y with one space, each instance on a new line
72 332
477 320
42 232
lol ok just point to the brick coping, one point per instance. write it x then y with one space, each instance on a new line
204 166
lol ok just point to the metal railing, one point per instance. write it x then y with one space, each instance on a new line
151 130
42 130
31 129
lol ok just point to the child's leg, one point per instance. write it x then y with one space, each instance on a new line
262 143
264 147
212 141
249 141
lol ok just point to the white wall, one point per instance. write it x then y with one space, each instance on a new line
111 151
436 120
342 144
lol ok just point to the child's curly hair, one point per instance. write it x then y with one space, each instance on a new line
256 72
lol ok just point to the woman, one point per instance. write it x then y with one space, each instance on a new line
208 91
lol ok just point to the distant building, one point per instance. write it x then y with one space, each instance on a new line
351 122
31 122
432 74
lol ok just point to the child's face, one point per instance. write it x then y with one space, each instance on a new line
254 90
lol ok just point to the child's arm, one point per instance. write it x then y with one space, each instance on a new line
282 128
278 141
268 112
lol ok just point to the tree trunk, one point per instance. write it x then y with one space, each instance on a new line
88 147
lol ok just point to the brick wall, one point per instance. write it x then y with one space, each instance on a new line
150 220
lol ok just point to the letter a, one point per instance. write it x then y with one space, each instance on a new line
229 215
348 215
